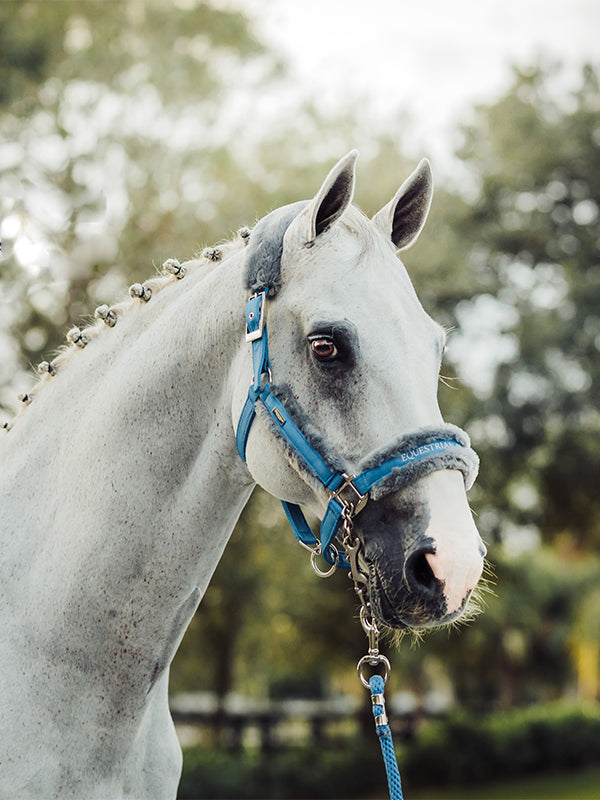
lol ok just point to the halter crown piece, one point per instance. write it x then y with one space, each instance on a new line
410 458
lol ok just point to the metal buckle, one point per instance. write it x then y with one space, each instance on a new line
361 499
252 336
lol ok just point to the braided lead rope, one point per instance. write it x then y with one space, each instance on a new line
376 683
384 734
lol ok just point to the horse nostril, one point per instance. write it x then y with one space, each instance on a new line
419 574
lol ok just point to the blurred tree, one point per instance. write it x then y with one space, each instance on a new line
111 147
530 237
534 228
524 648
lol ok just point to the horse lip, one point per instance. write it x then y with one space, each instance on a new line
409 616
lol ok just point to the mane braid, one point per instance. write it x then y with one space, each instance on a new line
107 317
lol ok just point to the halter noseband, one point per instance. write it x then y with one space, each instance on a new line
413 457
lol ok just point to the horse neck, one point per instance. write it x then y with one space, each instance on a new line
126 464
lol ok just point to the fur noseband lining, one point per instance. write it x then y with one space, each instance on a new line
461 457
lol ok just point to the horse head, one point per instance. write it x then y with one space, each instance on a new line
355 359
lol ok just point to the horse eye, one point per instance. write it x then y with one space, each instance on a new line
324 349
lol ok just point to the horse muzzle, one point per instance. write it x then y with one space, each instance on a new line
421 554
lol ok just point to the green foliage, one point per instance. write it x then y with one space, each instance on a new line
535 226
581 784
460 750
266 620
110 116
518 651
352 770
467 750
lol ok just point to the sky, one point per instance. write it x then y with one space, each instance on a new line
433 59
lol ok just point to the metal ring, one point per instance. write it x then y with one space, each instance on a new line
373 661
331 570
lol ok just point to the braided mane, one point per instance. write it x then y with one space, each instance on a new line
107 317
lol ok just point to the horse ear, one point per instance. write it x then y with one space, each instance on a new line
330 202
404 216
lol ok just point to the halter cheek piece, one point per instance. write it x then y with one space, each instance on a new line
409 459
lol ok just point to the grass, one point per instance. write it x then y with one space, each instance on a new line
581 785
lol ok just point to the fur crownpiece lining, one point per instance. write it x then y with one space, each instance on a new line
265 248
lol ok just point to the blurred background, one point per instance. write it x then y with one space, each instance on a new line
139 130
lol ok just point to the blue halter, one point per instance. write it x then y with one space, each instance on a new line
348 494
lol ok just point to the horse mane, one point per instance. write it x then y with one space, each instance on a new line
106 317
353 220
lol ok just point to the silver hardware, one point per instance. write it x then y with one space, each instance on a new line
316 549
380 719
373 661
373 658
355 505
369 626
351 546
278 416
313 556
252 336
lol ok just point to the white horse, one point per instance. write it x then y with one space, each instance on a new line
121 482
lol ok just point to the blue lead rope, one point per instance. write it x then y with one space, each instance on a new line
384 734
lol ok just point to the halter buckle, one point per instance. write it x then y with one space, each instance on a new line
355 503
256 333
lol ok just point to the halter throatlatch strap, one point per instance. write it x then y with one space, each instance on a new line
410 458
